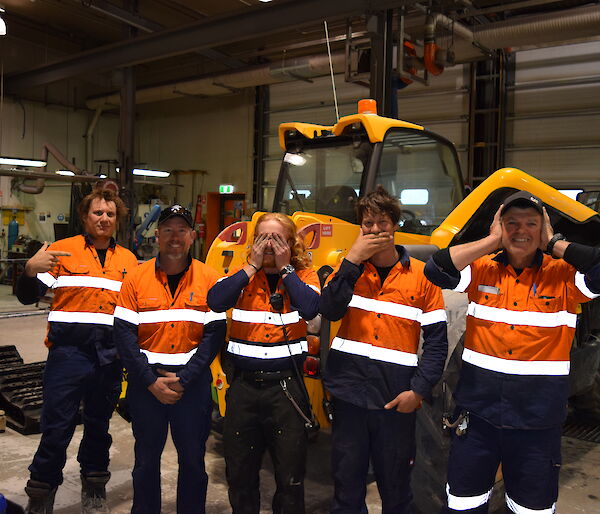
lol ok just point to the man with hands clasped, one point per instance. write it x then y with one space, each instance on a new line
373 373
167 337
513 387
273 296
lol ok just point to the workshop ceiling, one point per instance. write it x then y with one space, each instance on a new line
69 50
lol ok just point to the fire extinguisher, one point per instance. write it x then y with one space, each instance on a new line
201 229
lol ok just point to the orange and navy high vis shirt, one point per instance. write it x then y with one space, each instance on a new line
373 357
85 294
156 329
520 328
257 341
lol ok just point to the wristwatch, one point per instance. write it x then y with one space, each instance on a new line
556 237
286 270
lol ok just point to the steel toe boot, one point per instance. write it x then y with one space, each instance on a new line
93 493
41 497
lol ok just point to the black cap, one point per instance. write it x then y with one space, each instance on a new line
176 210
523 199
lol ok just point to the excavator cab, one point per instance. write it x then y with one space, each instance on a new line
326 169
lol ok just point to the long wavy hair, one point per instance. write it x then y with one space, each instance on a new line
300 259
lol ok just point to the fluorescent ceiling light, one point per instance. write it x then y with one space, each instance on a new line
295 159
151 173
13 161
102 175
414 196
265 1
66 173
2 27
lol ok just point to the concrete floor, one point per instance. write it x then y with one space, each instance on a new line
579 487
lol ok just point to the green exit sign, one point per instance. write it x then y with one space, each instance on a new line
225 188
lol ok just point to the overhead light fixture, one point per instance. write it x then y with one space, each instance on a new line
66 173
265 1
151 173
15 161
2 24
102 175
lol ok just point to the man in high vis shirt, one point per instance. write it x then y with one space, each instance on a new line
85 272
513 384
272 297
167 337
373 373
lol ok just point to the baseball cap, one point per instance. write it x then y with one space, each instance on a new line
176 210
522 199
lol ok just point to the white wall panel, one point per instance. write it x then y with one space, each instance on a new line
212 134
553 132
26 126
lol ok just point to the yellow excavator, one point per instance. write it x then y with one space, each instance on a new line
325 169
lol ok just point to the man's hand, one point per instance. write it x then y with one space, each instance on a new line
547 231
406 401
281 250
44 260
175 386
496 227
257 252
161 389
367 245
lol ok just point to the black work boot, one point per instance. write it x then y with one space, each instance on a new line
41 497
93 493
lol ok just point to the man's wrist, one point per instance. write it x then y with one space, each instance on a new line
553 240
286 270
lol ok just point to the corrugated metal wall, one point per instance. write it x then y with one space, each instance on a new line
554 121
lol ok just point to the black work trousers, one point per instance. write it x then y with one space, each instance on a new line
260 417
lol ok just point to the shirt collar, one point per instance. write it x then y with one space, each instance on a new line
89 242
403 256
502 258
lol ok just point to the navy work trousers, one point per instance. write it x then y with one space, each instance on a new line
189 420
530 467
73 377
387 438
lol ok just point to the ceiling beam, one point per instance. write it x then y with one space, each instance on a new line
147 25
208 33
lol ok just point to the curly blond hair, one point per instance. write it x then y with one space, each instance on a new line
300 259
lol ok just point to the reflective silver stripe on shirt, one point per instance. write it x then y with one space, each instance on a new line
582 286
527 318
271 318
519 509
95 282
81 317
465 280
516 367
170 315
431 317
171 359
467 502
127 315
392 309
47 278
278 351
374 352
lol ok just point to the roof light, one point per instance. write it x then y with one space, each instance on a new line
66 173
367 106
15 161
151 173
